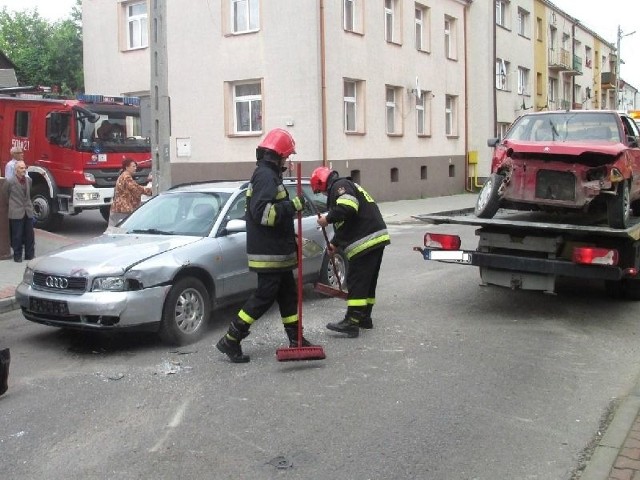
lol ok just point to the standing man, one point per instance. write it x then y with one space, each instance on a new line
17 154
361 232
271 246
17 193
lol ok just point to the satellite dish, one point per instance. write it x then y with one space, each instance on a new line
417 91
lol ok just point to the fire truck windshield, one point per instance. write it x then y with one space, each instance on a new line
110 128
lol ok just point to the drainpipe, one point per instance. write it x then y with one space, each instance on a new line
323 79
467 182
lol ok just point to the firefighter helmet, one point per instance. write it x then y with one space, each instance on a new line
320 178
280 141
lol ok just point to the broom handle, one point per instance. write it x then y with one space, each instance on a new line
331 259
299 193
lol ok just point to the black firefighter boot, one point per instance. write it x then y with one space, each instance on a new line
230 343
292 333
348 325
366 321
5 360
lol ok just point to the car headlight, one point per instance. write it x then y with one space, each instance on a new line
108 284
27 277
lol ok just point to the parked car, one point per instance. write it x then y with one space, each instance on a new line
166 267
566 161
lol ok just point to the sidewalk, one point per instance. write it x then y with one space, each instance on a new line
617 456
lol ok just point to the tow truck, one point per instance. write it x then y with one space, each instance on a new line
530 250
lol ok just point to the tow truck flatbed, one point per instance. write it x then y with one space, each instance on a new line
516 220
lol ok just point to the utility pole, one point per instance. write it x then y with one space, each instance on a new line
620 36
160 107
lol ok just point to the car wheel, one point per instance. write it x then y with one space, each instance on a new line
186 312
619 207
327 274
488 199
105 211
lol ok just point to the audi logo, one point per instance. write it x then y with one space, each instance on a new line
56 282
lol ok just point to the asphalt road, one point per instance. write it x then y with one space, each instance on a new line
456 381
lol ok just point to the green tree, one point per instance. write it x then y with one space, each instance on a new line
44 53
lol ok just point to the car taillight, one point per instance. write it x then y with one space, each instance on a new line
442 241
595 256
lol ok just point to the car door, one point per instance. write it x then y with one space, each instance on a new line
633 138
235 275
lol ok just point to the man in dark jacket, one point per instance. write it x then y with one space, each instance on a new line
361 232
271 246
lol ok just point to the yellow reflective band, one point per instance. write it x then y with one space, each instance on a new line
245 317
338 225
357 302
231 337
249 191
290 319
268 215
371 301
356 248
348 201
265 264
282 193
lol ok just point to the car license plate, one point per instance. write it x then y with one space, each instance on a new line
55 307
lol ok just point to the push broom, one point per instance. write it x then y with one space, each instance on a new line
315 352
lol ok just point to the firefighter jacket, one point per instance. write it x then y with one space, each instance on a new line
357 222
271 241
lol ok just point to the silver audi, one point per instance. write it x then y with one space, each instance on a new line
167 267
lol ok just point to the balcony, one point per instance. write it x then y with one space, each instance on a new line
559 59
608 80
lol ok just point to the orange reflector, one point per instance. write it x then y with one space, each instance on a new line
444 242
595 256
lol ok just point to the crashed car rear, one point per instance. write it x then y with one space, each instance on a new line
566 161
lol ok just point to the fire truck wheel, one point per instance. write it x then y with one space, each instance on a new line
104 211
45 209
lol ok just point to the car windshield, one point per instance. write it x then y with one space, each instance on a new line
566 127
177 213
110 128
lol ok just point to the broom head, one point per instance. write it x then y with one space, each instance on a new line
292 354
330 291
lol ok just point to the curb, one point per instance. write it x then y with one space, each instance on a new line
8 305
606 453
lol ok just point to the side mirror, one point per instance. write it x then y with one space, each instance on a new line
236 226
492 142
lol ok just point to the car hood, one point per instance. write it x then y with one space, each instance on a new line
108 254
566 148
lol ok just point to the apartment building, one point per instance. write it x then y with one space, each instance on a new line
375 90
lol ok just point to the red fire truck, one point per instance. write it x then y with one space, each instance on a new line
73 149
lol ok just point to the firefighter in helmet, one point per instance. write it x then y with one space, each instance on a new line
271 246
361 232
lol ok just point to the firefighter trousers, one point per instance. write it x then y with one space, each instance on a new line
272 287
362 281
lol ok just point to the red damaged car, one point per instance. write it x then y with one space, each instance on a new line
566 161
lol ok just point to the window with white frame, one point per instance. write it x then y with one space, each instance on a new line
353 101
423 113
245 16
451 115
588 57
392 20
502 74
137 26
501 12
422 28
352 12
247 107
523 22
450 47
393 110
523 81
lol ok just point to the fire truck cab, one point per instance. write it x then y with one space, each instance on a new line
73 149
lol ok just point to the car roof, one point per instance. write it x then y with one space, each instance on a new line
223 186
558 112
